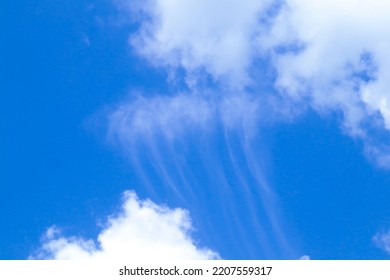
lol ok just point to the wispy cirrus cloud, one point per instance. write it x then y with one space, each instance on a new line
180 140
142 230
173 116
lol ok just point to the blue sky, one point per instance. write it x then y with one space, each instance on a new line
197 129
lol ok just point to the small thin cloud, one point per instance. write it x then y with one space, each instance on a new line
382 240
142 230
145 118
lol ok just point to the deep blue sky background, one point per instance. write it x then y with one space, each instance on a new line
65 63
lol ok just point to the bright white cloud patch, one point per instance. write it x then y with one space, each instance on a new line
334 55
142 230
335 51
383 241
215 36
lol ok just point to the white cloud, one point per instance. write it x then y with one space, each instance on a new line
339 40
143 118
334 55
383 241
330 55
165 115
214 36
141 231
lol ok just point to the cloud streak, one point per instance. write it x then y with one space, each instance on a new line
205 151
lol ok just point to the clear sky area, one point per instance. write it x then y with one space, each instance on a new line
195 129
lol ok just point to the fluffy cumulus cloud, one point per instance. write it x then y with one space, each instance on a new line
142 230
201 35
329 55
335 54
